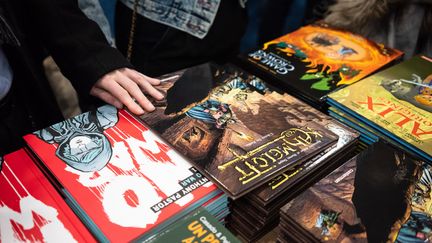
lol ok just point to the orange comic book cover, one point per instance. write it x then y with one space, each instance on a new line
317 59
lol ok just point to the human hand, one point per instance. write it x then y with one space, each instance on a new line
125 86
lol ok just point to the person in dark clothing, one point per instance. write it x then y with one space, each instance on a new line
171 35
29 30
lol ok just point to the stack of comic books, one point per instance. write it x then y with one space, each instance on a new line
31 210
266 201
315 60
395 104
233 128
381 195
122 180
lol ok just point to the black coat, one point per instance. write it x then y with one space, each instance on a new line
60 29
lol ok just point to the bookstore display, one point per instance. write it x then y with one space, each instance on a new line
315 60
320 135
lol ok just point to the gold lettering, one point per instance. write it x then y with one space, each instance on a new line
189 240
194 225
276 153
256 159
210 238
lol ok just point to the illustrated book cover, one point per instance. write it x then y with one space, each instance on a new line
396 102
280 184
31 210
381 195
316 59
234 131
122 179
199 226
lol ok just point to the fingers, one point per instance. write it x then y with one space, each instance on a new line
107 97
146 83
111 84
135 92
124 87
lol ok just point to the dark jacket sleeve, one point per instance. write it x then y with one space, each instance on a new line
76 43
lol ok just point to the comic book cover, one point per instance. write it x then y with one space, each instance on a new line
347 136
233 129
396 101
317 59
31 210
199 226
381 195
122 176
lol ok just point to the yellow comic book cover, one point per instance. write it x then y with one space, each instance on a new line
398 99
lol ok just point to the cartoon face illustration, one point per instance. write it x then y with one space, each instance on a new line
81 142
336 48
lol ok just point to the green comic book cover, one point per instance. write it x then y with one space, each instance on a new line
200 226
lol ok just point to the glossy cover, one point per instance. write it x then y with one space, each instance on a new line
119 173
31 210
234 130
381 195
316 60
198 227
278 185
397 101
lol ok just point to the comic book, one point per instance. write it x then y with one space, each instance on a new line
396 102
234 130
31 210
280 184
122 180
315 60
199 226
381 195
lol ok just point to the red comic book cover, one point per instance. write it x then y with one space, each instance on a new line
31 210
123 177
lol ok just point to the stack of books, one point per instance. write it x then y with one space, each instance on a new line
241 133
395 104
31 210
381 195
316 60
121 180
266 201
233 128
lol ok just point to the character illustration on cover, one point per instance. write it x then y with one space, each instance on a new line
332 57
80 141
217 112
416 91
418 228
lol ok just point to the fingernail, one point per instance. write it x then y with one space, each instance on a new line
140 110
